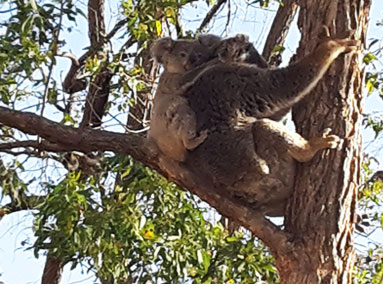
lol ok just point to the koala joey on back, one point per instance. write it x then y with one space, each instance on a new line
173 123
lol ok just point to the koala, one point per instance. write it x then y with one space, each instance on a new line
173 123
234 103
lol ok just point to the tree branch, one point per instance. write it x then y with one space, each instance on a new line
117 27
279 30
87 140
210 15
96 23
98 94
42 146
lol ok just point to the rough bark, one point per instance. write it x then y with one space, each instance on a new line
52 271
99 89
321 213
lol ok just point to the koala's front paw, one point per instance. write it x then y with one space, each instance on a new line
193 141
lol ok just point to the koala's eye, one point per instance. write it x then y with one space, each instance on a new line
183 54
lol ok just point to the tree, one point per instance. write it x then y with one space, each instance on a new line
108 209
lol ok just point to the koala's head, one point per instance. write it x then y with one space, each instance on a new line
234 49
179 56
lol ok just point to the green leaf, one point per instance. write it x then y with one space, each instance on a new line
368 58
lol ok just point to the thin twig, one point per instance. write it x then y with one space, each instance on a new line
210 15
55 46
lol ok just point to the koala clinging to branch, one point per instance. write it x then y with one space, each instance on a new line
173 124
230 104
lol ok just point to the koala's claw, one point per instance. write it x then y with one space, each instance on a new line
263 167
333 141
330 141
326 132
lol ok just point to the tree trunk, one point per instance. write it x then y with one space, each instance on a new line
52 271
321 213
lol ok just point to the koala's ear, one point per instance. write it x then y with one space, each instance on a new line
161 47
209 40
242 37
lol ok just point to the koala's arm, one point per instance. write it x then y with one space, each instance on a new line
295 145
290 84
261 93
182 122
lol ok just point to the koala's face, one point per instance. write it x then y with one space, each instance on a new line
235 49
180 56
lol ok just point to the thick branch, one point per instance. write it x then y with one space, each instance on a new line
279 30
87 140
83 140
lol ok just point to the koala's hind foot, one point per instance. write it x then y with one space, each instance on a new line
298 147
314 145
327 141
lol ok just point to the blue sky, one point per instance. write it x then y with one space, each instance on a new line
18 266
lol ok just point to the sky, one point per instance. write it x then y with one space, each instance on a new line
18 266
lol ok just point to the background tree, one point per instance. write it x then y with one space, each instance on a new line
99 207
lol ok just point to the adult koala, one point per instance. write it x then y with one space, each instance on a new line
243 153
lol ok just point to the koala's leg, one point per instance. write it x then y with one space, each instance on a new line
298 147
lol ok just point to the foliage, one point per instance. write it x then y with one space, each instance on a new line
118 219
369 267
29 44
374 82
144 229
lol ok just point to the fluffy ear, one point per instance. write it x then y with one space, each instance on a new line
161 47
242 37
209 40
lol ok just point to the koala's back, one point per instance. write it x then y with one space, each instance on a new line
228 153
228 157
223 90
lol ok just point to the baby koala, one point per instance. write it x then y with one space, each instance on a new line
173 123
239 49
